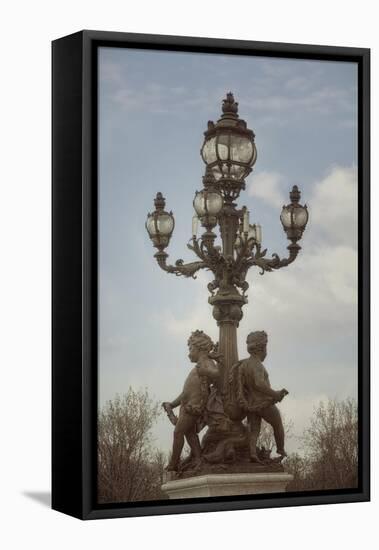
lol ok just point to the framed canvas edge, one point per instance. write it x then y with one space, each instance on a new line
83 375
67 365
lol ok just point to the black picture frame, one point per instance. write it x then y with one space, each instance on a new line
74 271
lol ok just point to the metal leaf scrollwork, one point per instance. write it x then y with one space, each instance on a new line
227 270
188 270
266 264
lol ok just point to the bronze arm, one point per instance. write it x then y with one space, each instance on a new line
180 268
276 262
176 402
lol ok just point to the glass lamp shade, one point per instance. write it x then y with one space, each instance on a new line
207 203
160 226
253 235
208 151
294 217
161 223
229 154
258 233
241 149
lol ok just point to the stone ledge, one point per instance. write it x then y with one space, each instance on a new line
214 485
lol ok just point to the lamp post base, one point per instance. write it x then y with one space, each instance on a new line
219 485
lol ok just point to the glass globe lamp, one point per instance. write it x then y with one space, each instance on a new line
208 202
160 224
294 216
229 150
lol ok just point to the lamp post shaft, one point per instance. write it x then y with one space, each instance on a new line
229 221
228 348
228 302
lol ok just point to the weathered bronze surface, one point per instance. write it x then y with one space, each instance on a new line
229 444
220 391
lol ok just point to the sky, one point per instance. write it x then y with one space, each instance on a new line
153 109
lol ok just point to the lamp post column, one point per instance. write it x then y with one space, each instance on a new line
228 302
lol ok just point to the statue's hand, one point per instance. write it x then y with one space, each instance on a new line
282 393
170 413
278 396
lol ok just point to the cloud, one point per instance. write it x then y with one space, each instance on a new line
199 317
297 83
278 93
111 72
268 187
150 98
314 297
299 410
334 205
318 293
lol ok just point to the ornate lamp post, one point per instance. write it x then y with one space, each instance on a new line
229 153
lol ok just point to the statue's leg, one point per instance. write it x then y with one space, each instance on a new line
272 416
254 422
194 442
184 424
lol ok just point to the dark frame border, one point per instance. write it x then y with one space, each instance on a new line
74 271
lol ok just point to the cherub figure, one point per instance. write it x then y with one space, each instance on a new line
193 398
257 396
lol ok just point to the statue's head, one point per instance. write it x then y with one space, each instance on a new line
199 343
257 344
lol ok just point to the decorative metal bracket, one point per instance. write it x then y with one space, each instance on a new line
180 268
275 262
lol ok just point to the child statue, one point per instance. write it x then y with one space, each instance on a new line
194 397
257 396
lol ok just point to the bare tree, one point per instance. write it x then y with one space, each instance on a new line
128 467
301 469
330 446
266 436
331 443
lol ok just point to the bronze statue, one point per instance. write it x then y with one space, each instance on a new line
256 396
249 395
194 397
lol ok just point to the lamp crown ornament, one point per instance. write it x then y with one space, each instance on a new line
230 106
295 194
159 201
160 224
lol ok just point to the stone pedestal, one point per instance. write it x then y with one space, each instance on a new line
219 485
